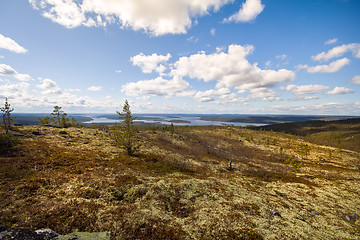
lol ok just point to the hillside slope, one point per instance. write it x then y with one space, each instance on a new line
339 133
180 185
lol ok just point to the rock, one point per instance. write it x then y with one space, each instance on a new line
351 218
48 234
355 168
275 212
314 212
36 133
26 234
63 132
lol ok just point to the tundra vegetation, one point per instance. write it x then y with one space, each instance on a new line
179 185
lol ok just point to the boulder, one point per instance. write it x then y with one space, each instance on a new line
48 234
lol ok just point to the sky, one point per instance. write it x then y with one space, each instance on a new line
181 56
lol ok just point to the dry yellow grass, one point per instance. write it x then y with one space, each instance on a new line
179 186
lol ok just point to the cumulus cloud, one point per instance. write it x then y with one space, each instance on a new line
6 70
15 90
224 95
11 45
325 108
340 90
249 10
281 57
94 88
267 95
230 69
305 89
150 63
158 87
356 79
334 66
49 87
154 16
213 31
331 41
338 52
305 98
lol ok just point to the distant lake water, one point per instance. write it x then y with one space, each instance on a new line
177 120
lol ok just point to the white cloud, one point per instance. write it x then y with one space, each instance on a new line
340 90
11 45
72 90
331 41
192 39
155 16
49 87
213 31
158 87
338 52
334 66
6 70
305 98
17 90
281 57
266 94
210 95
150 63
230 69
249 10
356 79
305 89
268 63
118 71
325 108
94 88
1 57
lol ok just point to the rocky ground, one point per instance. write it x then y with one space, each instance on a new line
179 186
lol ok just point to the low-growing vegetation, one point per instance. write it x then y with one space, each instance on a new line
179 185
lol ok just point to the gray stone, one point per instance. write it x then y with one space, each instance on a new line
275 212
314 212
351 218
48 234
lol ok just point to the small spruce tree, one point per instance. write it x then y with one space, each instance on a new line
171 129
126 134
6 110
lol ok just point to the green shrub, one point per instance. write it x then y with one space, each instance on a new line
7 143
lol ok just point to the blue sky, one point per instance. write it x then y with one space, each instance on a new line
181 56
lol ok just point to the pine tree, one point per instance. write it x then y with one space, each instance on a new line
57 113
6 115
126 134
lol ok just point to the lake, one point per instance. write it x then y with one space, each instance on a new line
176 119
